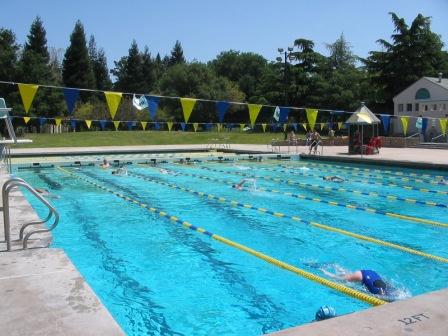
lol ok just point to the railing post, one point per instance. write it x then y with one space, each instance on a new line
6 224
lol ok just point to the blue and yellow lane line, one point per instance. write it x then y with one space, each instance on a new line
296 219
422 178
294 171
327 188
332 203
273 261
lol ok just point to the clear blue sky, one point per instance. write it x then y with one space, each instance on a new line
205 28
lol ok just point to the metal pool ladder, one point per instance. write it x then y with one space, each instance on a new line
7 187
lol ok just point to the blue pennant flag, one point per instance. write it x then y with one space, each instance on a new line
130 124
230 126
385 118
153 104
71 96
208 126
222 107
157 126
183 125
73 124
295 126
284 112
42 121
103 124
424 125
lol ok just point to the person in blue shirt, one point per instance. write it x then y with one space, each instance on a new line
370 279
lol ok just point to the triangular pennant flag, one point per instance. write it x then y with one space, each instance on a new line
404 123
222 107
340 125
254 110
195 126
219 126
153 104
187 107
208 126
57 121
73 124
276 114
424 125
42 121
285 126
157 125
443 123
284 112
311 115
103 124
71 96
113 101
170 125
304 126
26 119
322 126
27 92
139 103
116 124
183 125
264 127
386 121
143 123
295 126
130 124
88 123
242 126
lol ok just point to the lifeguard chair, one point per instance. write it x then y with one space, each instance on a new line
5 143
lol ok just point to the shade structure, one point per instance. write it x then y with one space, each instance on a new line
363 116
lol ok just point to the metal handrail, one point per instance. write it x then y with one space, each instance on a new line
18 182
413 135
436 137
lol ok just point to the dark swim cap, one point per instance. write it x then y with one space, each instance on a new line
325 312
381 285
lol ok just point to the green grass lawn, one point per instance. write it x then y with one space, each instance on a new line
134 138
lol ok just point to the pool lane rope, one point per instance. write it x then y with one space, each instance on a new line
298 219
318 200
295 171
307 275
317 186
426 178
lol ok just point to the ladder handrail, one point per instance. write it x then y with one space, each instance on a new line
18 182
438 136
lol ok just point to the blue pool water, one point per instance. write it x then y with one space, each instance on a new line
158 278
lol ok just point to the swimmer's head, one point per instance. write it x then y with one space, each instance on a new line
325 313
381 286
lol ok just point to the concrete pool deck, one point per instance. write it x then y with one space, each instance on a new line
44 294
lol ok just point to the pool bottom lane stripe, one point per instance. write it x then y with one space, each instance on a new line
297 219
307 275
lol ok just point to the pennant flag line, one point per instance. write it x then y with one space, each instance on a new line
116 124
404 123
263 126
183 125
153 104
143 123
170 125
57 121
195 126
27 92
254 110
26 119
222 107
88 123
311 115
443 123
385 119
103 124
284 112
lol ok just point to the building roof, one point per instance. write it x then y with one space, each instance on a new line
435 80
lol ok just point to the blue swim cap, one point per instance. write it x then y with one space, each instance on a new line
325 312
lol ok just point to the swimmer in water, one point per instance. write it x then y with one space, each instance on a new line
46 193
120 171
334 178
240 185
105 164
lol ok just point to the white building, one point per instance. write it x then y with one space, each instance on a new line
428 98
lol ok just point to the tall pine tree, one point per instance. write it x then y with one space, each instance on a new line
128 71
76 68
8 62
177 55
99 66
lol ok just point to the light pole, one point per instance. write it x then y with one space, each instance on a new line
288 54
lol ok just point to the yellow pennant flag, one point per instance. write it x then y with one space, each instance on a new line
219 126
339 125
143 124
113 101
254 110
284 127
264 127
170 125
88 123
404 122
57 121
443 122
311 115
187 107
304 126
116 124
27 92
242 126
195 126
322 126
26 119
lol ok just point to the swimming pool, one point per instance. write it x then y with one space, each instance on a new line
156 277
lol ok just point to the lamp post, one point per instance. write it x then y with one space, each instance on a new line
288 54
